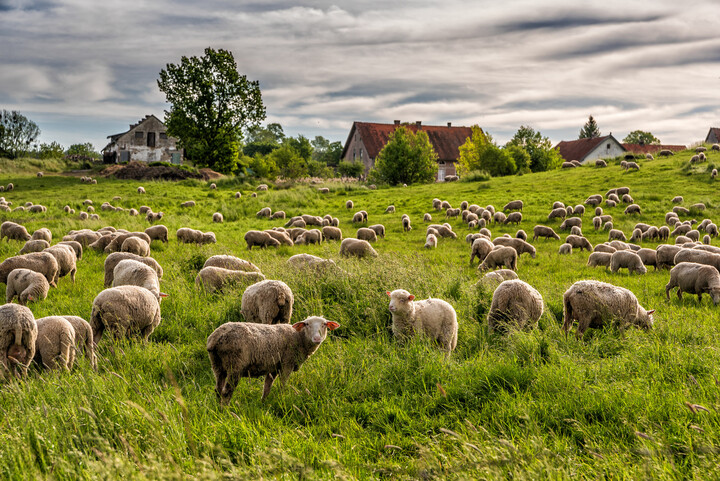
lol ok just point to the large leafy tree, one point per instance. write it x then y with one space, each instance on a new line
479 152
325 151
590 130
210 106
641 137
263 140
17 133
542 155
407 158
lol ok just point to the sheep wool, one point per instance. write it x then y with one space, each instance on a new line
213 279
83 338
113 259
125 311
157 232
232 263
42 262
129 272
34 245
267 302
350 247
136 246
435 318
694 278
55 343
515 303
18 332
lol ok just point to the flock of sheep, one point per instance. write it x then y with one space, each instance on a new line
267 345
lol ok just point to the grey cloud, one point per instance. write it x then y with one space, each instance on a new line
9 5
568 102
563 21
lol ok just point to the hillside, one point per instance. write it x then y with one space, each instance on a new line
532 405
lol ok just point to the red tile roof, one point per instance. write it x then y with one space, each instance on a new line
651 149
446 140
578 149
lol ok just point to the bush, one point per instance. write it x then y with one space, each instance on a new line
350 169
475 176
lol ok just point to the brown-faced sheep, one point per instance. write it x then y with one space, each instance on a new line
500 256
351 247
520 246
157 232
627 259
55 343
213 279
515 304
434 318
544 231
125 311
694 278
579 242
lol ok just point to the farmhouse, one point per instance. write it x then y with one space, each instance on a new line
586 150
652 148
145 141
367 139
713 136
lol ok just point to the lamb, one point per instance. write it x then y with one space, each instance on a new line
648 257
616 234
633 209
698 256
26 285
569 222
136 245
281 237
332 233
14 231
113 259
350 247
430 241
599 259
406 224
514 303
34 245
125 311
55 343
217 217
544 231
267 302
627 259
264 212
390 209
129 272
520 246
231 262
244 349
140 190
513 218
575 230
427 217
593 303
579 242
594 200
513 205
43 233
500 256
41 262
435 318
565 249
349 204
259 238
157 232
481 247
378 228
313 236
66 259
213 278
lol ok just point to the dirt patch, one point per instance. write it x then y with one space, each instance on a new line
209 174
142 171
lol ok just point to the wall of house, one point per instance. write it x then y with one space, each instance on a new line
712 138
136 143
607 150
357 152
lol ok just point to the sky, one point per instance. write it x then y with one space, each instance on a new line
86 69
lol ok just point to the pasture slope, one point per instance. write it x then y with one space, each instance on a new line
531 405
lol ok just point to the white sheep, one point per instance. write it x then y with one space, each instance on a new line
514 303
55 343
694 278
129 272
430 241
627 259
125 311
268 302
213 278
433 317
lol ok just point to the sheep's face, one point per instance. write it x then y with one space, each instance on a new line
646 321
18 353
315 328
400 300
715 294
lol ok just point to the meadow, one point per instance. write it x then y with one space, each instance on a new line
618 404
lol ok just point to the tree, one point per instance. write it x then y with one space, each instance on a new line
263 140
290 164
17 133
479 152
86 150
53 150
407 158
350 169
542 156
210 105
641 137
590 130
325 151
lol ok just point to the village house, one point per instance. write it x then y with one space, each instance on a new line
713 136
367 139
587 150
145 141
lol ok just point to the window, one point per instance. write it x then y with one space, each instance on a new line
361 153
151 139
354 154
138 135
163 135
608 146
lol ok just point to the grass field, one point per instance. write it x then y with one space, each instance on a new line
530 405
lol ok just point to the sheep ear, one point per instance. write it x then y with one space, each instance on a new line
299 326
651 311
332 325
162 294
387 292
411 297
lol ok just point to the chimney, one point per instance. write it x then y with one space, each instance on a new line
449 124
397 123
418 124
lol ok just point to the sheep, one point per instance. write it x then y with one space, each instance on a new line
264 212
611 203
559 212
681 239
481 247
571 221
521 234
604 248
568 165
680 210
217 217
444 205
694 278
83 338
349 204
715 147
350 247
308 260
593 303
14 231
627 259
616 234
136 245
280 214
579 242
358 218
259 238
694 235
430 241
706 239
558 205
597 222
600 163
569 210
627 199
10 187
37 208
26 285
544 231
153 216
125 311
599 259
513 205
75 246
42 234
36 245
140 190
665 153
244 349
565 249
18 333
157 232
579 210
576 163
113 259
520 246
313 236
513 218
514 303
443 230
632 165
231 262
452 213
594 200
41 262
282 237
333 233
575 230
66 259
648 257
55 343
267 302
390 209
437 204
187 236
663 233
315 220
118 239
323 190
212 278
378 228
129 272
464 205
500 256
712 230
496 277
678 199
633 209
435 318
406 224
427 217
714 174
698 256
698 206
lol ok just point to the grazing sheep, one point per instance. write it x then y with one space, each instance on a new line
649 156
435 318
648 257
464 205
83 338
75 246
619 245
264 212
636 235
663 233
125 311
632 165
188 236
558 205
66 259
597 222
593 303
513 205
481 247
665 153
218 217
627 199
267 302
514 304
313 236
579 210
243 349
571 221
604 248
599 259
259 238
55 343
714 173
117 241
611 202
157 232
627 259
358 218
42 234
706 239
698 206
715 147
323 190
427 217
565 249
600 163
521 234
140 190
280 214
129 272
575 230
18 332
569 210
678 199
579 242
113 259
41 262
390 209
496 277
594 200
711 229
14 231
37 245
378 228
616 234
26 285
444 205
349 204
512 218
333 233
679 210
500 256
568 165
351 247
633 209
188 203
231 262
282 237
308 260
699 256
544 231
681 239
430 241
153 216
213 278
452 213
558 213
694 235
694 278
442 230
520 246
576 163
136 245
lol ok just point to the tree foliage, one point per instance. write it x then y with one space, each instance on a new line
53 150
210 105
17 133
86 150
590 130
542 156
325 151
641 137
263 140
407 158
479 152
350 169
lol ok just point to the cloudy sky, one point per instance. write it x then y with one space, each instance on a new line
85 69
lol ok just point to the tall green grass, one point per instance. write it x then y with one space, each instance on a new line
530 405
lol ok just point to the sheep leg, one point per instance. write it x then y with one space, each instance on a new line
269 379
699 296
668 288
72 274
231 382
680 293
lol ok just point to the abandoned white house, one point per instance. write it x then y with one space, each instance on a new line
145 141
585 150
367 139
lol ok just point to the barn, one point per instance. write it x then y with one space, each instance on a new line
145 141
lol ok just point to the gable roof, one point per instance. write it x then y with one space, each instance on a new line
714 130
580 148
114 137
446 140
651 148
